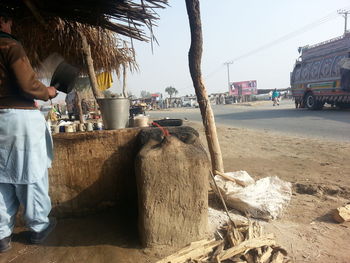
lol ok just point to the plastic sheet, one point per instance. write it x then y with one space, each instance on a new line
264 199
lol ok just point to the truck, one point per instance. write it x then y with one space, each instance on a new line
322 74
189 101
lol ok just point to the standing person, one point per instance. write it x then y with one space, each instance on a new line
85 108
58 110
25 141
71 105
275 97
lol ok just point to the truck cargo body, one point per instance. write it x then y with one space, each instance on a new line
321 76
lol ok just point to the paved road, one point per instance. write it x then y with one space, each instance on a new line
332 124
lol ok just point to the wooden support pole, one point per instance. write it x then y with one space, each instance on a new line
125 93
35 12
78 106
195 57
90 64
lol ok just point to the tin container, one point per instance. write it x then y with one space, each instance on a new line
55 129
89 126
98 126
115 112
69 128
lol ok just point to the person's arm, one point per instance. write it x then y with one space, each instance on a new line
30 86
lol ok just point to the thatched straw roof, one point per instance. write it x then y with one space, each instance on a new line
47 26
108 51
125 17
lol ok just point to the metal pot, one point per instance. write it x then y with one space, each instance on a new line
115 112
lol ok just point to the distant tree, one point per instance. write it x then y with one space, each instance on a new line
145 94
171 91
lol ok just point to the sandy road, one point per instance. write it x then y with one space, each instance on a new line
330 124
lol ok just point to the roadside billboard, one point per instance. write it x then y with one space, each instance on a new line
242 88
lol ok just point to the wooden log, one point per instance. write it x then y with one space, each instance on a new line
277 257
195 57
221 198
234 236
218 250
194 251
342 214
266 255
267 240
280 249
185 250
125 93
77 103
249 258
90 63
223 175
254 230
233 242
239 261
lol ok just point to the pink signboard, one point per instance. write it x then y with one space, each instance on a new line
243 88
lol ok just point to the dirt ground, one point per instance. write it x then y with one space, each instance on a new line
318 169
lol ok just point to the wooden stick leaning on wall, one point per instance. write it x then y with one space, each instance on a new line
91 70
195 57
125 93
77 103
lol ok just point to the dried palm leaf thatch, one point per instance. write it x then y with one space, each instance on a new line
108 51
125 17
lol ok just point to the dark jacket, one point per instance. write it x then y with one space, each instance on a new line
19 85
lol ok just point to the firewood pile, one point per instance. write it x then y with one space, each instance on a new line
244 243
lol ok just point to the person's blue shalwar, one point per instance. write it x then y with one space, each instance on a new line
25 155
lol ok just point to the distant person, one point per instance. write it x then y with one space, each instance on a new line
85 108
57 109
275 97
270 95
71 105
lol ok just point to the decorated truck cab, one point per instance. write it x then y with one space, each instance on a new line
322 74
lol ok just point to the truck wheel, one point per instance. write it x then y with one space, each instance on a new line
311 103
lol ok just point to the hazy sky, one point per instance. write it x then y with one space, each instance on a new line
233 28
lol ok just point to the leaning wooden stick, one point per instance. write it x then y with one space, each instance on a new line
229 178
222 199
195 57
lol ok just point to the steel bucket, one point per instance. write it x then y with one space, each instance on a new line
115 112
